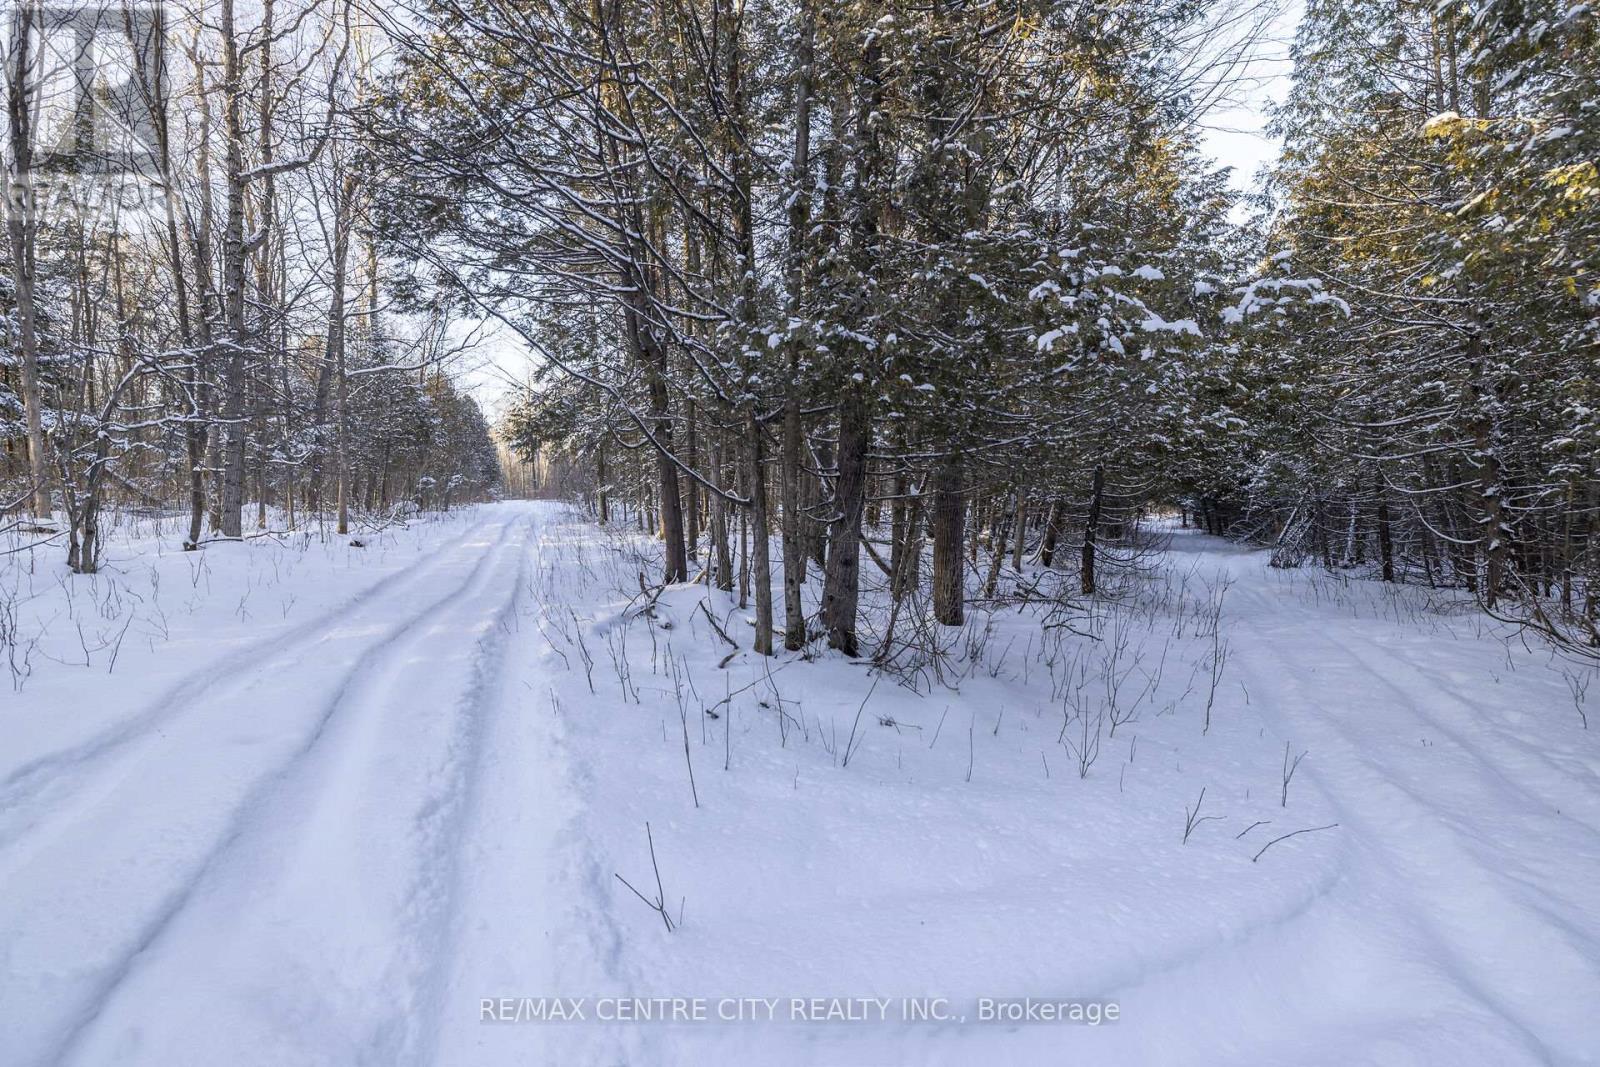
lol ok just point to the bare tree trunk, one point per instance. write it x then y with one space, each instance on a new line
22 232
263 249
719 520
676 557
794 555
691 504
1019 532
949 532
760 559
1091 529
234 252
201 439
336 355
1486 461
744 533
842 582
760 544
813 525
1385 536
1052 531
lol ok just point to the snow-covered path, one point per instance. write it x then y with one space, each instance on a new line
283 829
328 845
1477 849
1463 924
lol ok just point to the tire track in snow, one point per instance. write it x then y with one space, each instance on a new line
527 829
1328 622
439 887
37 789
1401 828
1518 801
1531 794
172 821
269 845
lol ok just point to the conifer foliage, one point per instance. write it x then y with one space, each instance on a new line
894 281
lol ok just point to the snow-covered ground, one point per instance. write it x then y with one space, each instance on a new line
293 802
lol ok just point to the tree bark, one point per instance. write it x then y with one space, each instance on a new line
1385 537
719 520
1019 532
842 581
794 553
201 438
949 533
1091 528
233 267
1052 531
22 231
691 504
760 558
1486 462
677 557
336 356
760 543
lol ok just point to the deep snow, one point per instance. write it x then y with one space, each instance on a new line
327 801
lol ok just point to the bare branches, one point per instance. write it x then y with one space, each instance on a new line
1192 818
1288 774
850 743
720 632
1285 837
658 905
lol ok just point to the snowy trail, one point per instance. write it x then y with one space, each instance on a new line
327 848
196 857
1456 817
35 790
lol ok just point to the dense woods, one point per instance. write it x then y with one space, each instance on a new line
936 294
930 290
1439 174
826 269
196 313
754 532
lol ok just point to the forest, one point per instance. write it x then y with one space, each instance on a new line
908 285
791 532
194 313
881 277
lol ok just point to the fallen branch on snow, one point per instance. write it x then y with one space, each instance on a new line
1296 833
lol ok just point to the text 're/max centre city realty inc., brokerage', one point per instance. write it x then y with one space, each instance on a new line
673 1009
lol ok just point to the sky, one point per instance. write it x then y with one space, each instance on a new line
1235 130
1236 138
